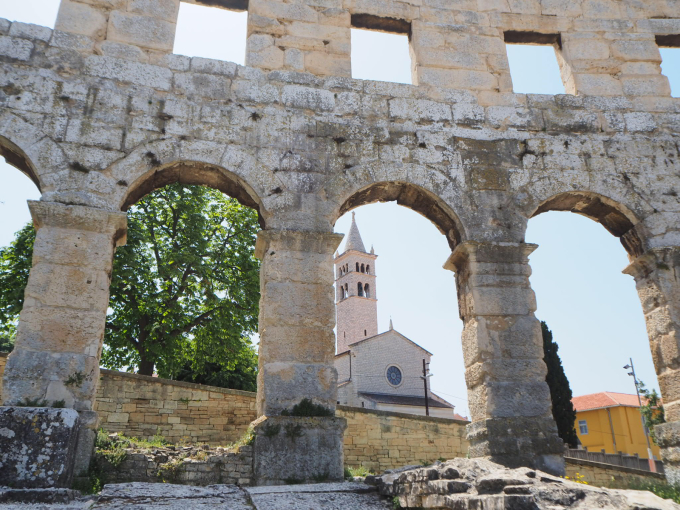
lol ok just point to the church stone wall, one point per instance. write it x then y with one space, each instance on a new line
373 358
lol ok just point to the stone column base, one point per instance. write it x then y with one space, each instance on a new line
668 438
519 441
289 450
37 446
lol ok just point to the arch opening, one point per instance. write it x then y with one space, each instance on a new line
615 218
192 173
413 197
15 157
590 309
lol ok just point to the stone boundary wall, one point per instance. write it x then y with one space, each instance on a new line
162 465
596 473
142 406
380 440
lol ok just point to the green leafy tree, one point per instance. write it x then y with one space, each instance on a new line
184 290
15 264
560 391
652 409
186 285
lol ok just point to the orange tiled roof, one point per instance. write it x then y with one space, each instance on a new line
605 399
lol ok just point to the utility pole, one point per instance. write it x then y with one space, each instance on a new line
424 378
652 463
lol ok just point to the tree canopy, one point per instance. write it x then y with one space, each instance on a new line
560 391
652 409
15 264
184 289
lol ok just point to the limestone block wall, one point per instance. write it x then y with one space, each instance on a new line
382 440
142 406
607 476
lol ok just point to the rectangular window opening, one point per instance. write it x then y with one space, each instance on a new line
583 427
380 49
533 62
217 32
669 46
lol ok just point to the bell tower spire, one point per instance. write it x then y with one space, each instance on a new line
356 298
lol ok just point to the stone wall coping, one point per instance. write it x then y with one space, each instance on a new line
183 384
602 465
393 414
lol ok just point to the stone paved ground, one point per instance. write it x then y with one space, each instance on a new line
139 496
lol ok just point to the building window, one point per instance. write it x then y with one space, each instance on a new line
366 291
582 427
363 268
365 332
368 269
360 289
357 267
393 375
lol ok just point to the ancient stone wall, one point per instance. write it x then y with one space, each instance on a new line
381 440
142 406
607 476
99 112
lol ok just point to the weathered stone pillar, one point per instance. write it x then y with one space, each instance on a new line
657 277
509 400
297 348
61 327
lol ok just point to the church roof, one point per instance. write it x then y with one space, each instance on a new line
385 333
404 400
354 241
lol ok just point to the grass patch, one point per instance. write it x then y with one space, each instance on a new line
662 489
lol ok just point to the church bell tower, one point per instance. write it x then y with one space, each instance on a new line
356 298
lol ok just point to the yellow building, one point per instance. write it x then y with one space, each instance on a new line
611 421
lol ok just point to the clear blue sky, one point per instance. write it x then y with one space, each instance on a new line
592 308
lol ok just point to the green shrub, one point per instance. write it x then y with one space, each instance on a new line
307 408
662 489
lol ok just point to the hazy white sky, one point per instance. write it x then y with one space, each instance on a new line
591 307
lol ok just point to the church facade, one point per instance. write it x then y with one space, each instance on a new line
382 371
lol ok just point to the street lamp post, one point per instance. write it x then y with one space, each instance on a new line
652 463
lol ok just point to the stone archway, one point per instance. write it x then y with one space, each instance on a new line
656 270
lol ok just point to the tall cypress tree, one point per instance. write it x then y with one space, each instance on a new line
560 391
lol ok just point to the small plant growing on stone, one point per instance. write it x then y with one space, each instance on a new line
361 471
396 504
32 402
170 471
293 431
293 481
245 440
59 404
75 379
270 430
184 401
321 477
307 408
